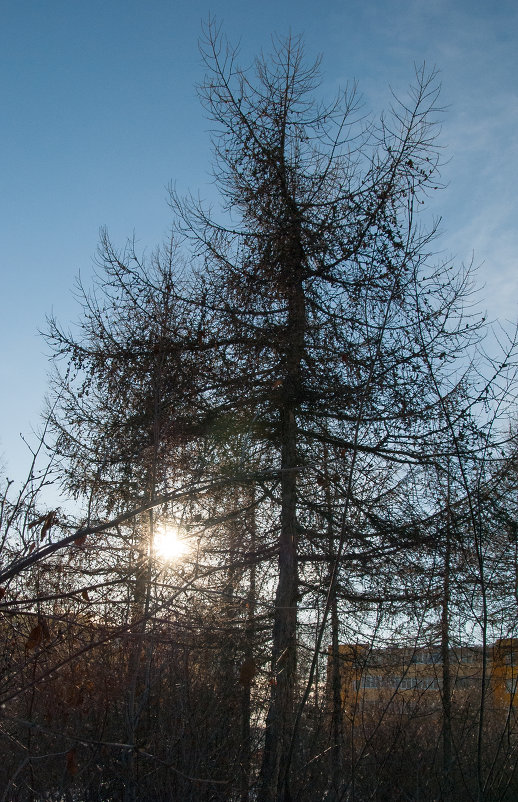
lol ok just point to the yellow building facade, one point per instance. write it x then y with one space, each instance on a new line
396 677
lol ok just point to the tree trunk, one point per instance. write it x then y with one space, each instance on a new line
336 768
275 769
446 673
246 743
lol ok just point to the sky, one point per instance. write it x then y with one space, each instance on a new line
100 116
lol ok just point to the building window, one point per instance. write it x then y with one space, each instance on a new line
466 682
397 683
467 657
367 682
427 683
427 658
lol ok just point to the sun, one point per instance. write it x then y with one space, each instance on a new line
168 545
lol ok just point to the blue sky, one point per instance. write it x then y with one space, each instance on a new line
100 114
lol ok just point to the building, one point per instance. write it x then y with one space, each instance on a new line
396 678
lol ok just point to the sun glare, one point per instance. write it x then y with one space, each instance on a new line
168 545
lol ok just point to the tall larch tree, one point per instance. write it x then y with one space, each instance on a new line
326 313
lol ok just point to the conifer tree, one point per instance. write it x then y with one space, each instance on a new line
327 312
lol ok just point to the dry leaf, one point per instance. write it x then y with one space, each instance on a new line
36 522
37 634
35 637
84 594
247 672
49 521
